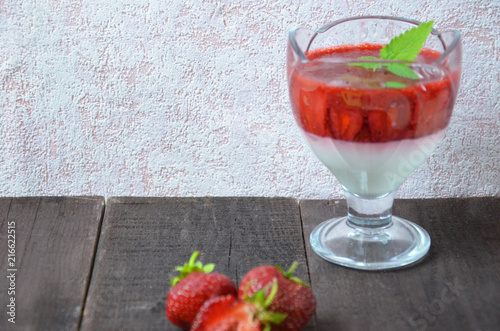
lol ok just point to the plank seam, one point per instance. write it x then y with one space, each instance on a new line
31 231
7 215
304 243
230 249
92 264
307 259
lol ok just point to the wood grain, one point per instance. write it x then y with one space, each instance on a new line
55 240
456 287
144 239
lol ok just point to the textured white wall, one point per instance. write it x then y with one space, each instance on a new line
188 98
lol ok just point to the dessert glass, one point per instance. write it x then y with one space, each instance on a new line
371 129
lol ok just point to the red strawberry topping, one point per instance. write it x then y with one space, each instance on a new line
345 124
313 111
379 124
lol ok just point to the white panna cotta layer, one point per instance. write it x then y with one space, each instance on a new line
372 170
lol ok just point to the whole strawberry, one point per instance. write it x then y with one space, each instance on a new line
294 298
227 313
192 288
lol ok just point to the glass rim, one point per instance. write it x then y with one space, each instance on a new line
326 27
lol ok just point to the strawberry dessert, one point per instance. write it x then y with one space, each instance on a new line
371 128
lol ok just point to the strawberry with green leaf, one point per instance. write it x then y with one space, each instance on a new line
195 285
294 297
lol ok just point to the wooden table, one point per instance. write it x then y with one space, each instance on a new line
81 263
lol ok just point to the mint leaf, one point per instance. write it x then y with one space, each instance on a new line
367 65
394 84
407 45
404 47
401 69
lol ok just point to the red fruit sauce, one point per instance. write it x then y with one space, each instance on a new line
350 103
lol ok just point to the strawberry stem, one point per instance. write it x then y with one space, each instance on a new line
261 303
190 267
272 294
289 274
193 257
290 271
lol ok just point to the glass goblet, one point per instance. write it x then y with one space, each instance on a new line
371 128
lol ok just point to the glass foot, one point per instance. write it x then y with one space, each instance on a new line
398 244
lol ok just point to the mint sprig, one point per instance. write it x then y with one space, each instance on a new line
404 47
407 45
401 69
395 84
368 65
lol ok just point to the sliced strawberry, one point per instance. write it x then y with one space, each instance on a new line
380 126
335 122
192 288
345 113
351 123
399 113
363 135
313 111
431 110
226 313
345 124
388 113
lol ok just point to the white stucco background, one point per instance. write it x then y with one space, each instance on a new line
189 98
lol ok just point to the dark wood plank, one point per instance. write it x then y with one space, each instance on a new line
456 287
55 240
144 239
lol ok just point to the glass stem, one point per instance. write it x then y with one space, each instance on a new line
369 216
